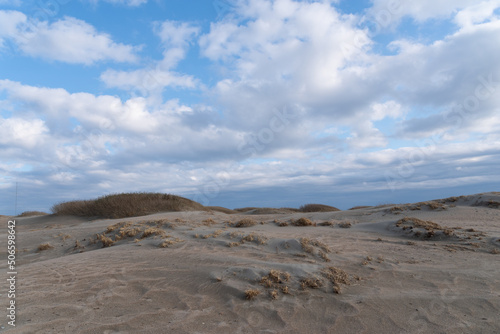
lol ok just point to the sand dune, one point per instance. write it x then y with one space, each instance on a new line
430 267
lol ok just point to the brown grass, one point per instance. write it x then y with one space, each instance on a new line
311 282
45 246
361 207
282 224
106 241
326 223
32 213
345 224
273 294
317 208
303 222
251 294
252 237
170 242
153 231
245 222
127 205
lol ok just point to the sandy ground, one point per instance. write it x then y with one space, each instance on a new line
379 273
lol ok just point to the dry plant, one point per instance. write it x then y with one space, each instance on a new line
273 294
303 222
311 282
337 276
345 224
252 237
282 224
44 246
317 208
245 222
63 236
233 244
106 241
327 223
209 222
170 242
32 213
127 205
251 294
153 231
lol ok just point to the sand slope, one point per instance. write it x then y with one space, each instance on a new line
429 267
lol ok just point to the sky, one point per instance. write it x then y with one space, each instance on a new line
269 103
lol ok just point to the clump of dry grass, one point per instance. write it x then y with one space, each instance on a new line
245 222
361 207
307 245
78 245
32 213
303 222
337 276
215 234
106 241
233 244
153 231
495 251
127 205
311 282
277 281
345 224
44 246
317 208
327 223
251 294
63 236
282 224
170 242
252 237
273 294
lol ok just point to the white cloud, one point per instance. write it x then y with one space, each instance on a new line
175 40
68 40
18 132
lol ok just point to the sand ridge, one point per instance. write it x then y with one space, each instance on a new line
430 267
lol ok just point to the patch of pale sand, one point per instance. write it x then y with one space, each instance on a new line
408 284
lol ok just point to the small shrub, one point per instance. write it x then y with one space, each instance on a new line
32 213
345 224
317 208
326 224
106 242
251 294
311 282
45 246
245 222
303 222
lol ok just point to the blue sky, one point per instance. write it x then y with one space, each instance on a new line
248 102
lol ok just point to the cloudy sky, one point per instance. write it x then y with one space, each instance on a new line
249 102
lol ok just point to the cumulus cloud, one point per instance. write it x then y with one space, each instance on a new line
68 40
175 40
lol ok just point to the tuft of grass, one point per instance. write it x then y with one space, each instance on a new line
251 294
361 207
273 294
311 282
303 222
153 231
345 224
495 251
317 208
126 205
170 242
32 213
106 241
233 244
245 222
327 223
282 224
44 246
252 237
